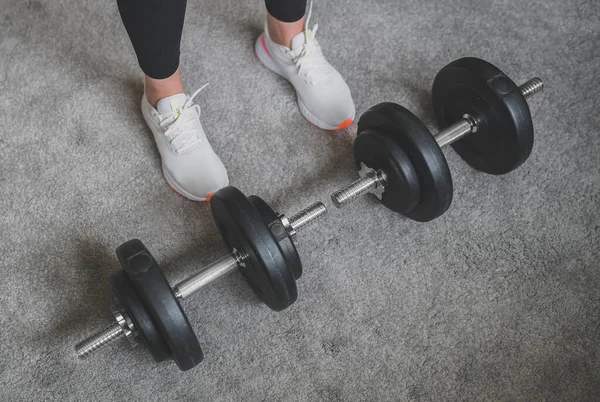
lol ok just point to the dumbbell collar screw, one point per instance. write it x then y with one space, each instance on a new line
122 318
240 258
381 179
472 121
288 226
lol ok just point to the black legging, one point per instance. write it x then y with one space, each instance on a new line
155 26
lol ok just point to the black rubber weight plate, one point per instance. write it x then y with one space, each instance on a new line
161 303
290 253
141 319
504 139
242 227
423 151
379 152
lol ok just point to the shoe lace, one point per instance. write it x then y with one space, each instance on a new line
309 59
181 125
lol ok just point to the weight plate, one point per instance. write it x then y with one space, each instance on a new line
379 152
286 244
504 138
242 228
161 303
428 161
136 311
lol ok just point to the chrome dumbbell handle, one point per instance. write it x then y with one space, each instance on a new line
229 263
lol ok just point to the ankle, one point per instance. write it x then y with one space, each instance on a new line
283 32
157 89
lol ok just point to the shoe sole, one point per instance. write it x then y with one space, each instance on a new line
260 48
175 187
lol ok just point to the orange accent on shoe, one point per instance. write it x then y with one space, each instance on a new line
344 124
184 197
208 197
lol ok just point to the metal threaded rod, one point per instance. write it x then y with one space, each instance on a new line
453 133
194 283
307 215
99 339
356 188
531 87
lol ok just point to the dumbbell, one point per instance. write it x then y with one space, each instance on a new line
262 249
401 162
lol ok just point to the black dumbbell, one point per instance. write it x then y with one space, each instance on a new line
262 249
401 161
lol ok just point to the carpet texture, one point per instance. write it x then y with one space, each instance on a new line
496 300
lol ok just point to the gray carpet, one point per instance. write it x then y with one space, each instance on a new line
496 300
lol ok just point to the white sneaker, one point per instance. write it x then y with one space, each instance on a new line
189 163
323 96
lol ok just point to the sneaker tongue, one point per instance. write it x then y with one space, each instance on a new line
171 103
298 41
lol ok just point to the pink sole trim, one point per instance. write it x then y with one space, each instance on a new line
264 45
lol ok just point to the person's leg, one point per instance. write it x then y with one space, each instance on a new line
189 163
285 19
154 28
289 48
